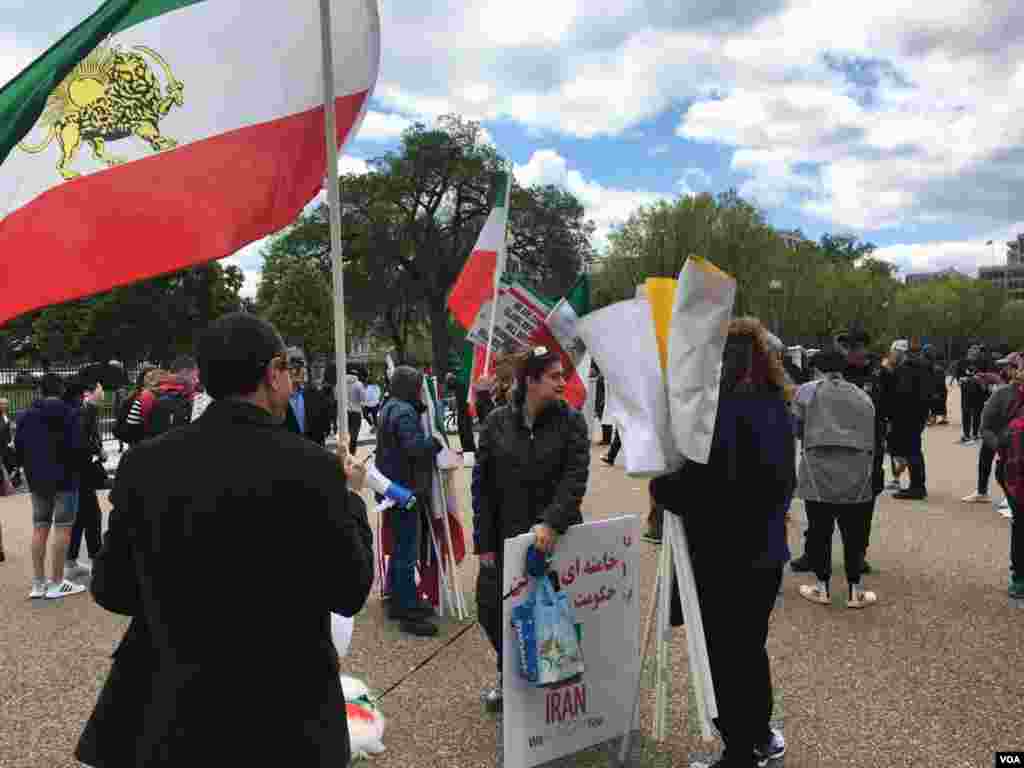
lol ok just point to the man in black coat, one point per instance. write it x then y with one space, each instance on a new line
217 668
309 412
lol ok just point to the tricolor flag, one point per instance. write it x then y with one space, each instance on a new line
478 281
560 332
161 134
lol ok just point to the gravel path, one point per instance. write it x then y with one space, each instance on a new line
929 676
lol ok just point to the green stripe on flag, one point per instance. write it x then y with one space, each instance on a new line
23 99
144 10
500 189
578 296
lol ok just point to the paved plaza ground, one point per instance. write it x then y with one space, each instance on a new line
930 676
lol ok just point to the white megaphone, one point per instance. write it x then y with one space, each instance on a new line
401 496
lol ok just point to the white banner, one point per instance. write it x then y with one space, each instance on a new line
597 566
520 313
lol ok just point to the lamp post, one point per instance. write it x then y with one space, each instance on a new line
775 287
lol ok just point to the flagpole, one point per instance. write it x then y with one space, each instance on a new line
334 217
499 270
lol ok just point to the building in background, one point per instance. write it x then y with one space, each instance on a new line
927 277
1009 277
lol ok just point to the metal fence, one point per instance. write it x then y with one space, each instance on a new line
20 387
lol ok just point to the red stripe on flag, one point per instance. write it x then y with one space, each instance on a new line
474 287
165 212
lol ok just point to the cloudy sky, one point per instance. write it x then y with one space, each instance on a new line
899 121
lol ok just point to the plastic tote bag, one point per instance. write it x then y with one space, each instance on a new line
550 651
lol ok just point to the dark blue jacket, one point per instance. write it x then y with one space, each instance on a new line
405 452
48 444
734 506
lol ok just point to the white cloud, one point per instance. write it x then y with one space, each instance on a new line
349 164
381 126
964 255
605 206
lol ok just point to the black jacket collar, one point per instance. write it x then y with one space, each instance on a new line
238 412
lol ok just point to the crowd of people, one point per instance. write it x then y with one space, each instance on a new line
817 428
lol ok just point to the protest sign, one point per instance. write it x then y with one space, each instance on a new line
520 313
596 565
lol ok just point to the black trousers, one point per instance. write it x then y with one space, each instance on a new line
355 421
740 669
1016 528
488 605
616 446
87 523
986 456
970 415
822 518
466 438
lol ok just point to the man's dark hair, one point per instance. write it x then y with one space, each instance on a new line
233 354
183 363
51 385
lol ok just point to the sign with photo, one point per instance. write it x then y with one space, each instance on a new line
520 313
596 566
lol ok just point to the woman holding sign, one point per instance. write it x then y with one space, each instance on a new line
532 463
738 544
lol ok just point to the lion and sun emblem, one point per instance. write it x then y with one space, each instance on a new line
110 95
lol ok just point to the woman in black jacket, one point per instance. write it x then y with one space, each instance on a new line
532 463
741 539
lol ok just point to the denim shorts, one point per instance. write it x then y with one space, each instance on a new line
57 510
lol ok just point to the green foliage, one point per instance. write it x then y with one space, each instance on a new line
806 292
153 319
408 227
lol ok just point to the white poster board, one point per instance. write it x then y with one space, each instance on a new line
597 566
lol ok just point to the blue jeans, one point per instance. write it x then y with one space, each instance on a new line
402 568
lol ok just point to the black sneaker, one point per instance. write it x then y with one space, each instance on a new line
421 610
801 565
418 627
913 494
773 748
607 460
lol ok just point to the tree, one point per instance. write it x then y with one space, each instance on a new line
845 249
302 308
550 237
410 223
156 318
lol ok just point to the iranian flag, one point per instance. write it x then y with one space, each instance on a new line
478 281
560 332
161 134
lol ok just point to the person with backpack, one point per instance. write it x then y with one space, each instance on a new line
1002 429
836 423
47 442
132 411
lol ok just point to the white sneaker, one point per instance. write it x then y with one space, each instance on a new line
65 588
38 590
976 498
816 595
862 599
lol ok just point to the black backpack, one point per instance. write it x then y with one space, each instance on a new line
171 409
123 431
